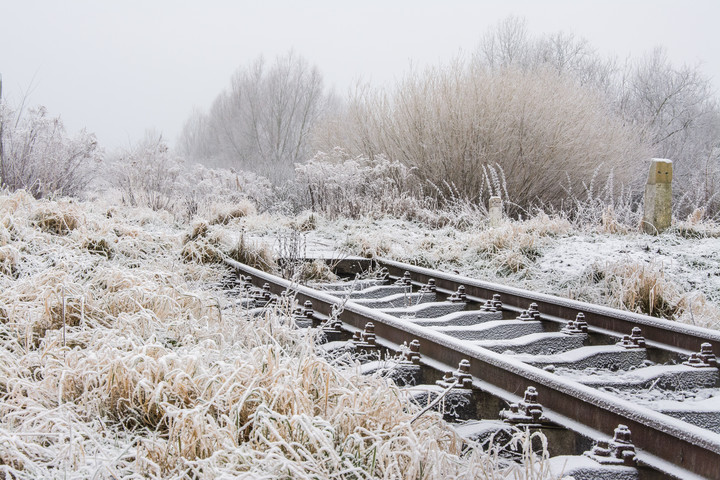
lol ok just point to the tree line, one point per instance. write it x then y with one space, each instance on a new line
537 120
546 112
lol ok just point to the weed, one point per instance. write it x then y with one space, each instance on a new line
99 246
9 260
55 218
240 209
253 254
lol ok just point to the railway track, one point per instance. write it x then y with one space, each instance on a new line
578 372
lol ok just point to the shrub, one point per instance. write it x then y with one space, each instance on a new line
507 132
147 174
338 184
201 250
37 155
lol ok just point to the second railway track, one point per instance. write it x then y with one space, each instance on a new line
581 369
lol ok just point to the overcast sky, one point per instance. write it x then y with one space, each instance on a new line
118 68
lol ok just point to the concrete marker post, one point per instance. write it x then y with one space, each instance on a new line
495 211
658 197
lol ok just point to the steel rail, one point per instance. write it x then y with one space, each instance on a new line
680 336
659 439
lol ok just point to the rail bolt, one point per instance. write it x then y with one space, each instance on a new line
404 280
333 326
246 282
411 354
305 312
580 322
530 405
579 325
429 287
618 451
706 353
704 358
308 309
488 307
464 379
460 378
528 410
525 316
458 296
534 311
622 445
364 340
368 335
634 340
497 302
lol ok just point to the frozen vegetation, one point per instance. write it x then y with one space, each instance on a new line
122 357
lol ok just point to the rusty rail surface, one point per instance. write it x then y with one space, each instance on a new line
663 443
687 338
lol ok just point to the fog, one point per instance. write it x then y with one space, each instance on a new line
120 68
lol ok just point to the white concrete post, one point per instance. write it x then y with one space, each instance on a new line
495 211
658 197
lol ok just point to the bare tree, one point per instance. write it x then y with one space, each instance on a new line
668 102
506 44
678 113
263 122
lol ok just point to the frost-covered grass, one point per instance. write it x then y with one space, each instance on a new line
121 357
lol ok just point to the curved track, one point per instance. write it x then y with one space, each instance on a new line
665 444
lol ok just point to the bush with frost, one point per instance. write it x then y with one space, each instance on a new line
338 184
38 155
149 174
450 124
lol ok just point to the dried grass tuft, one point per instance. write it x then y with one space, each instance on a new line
638 287
306 221
228 212
9 260
199 229
99 246
695 309
256 255
57 218
201 251
316 271
609 222
696 226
